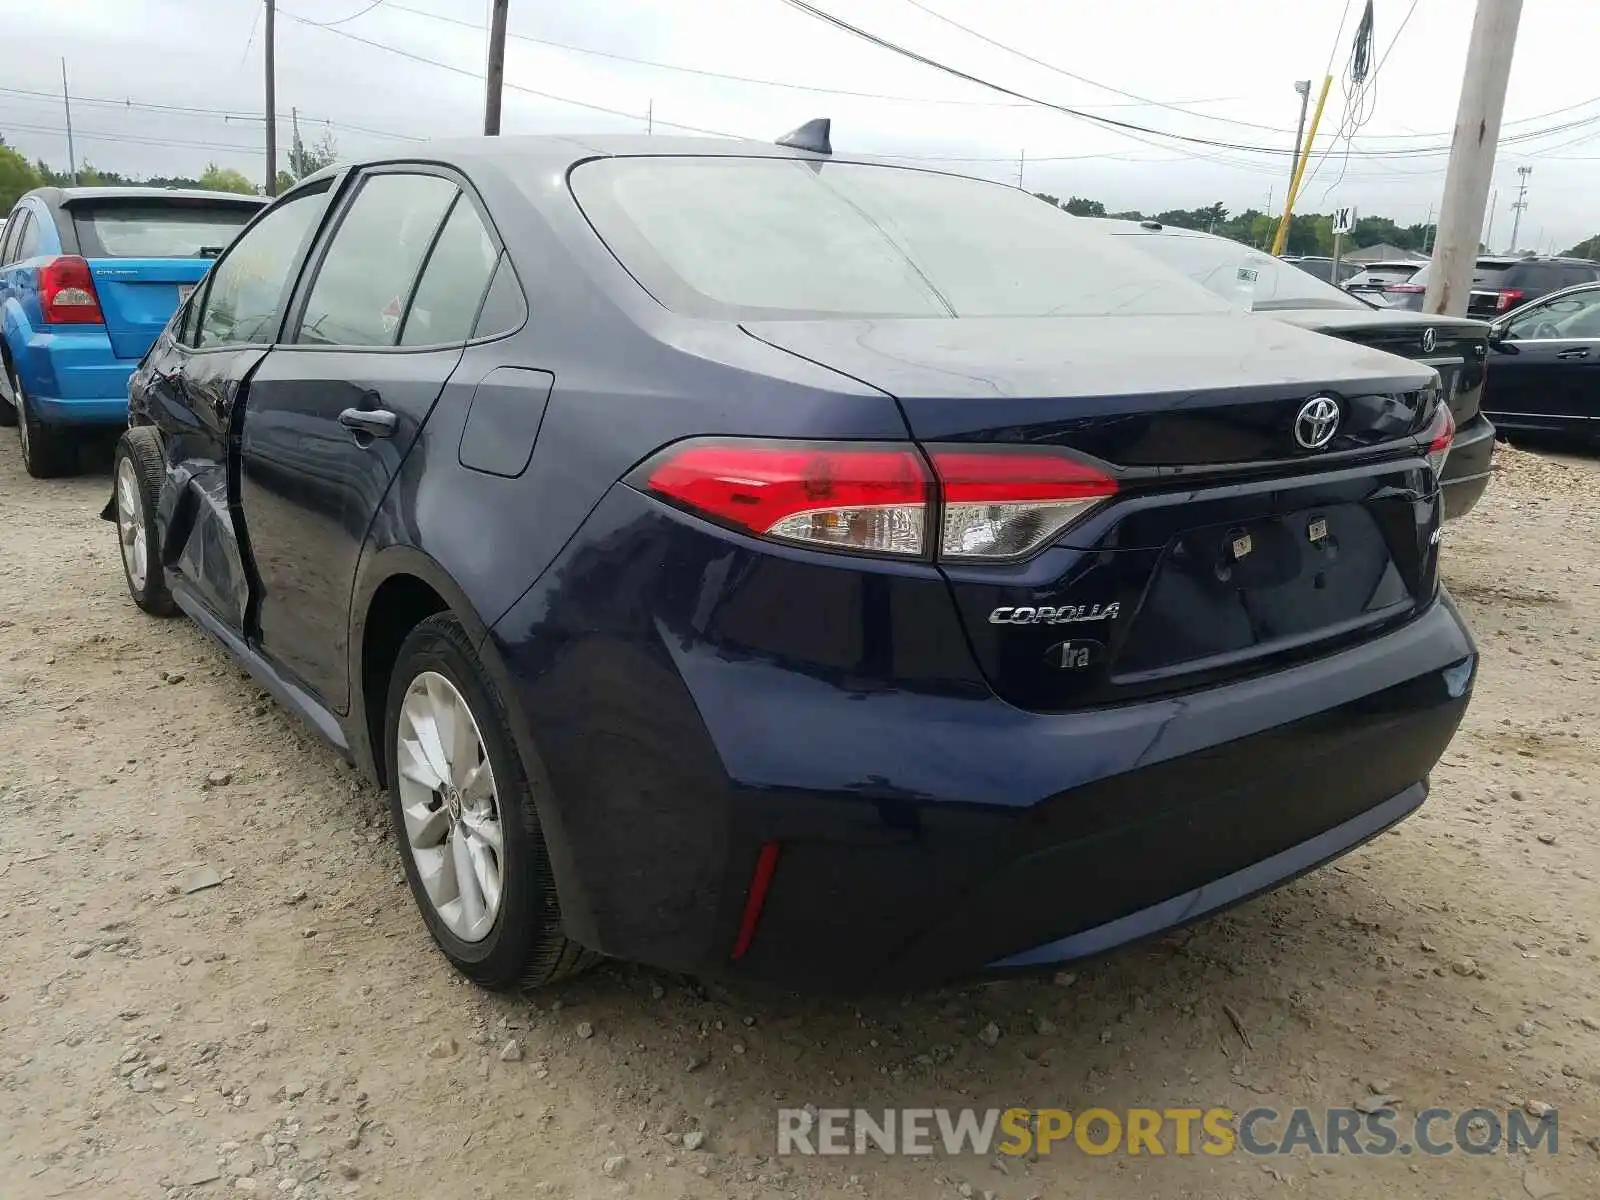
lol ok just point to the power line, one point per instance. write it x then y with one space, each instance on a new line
1141 101
344 20
515 87
94 135
227 115
709 74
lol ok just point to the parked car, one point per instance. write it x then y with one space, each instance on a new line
88 277
1502 284
1456 347
747 561
1546 366
1322 268
1373 281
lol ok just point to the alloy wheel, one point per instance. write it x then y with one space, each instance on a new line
130 525
451 806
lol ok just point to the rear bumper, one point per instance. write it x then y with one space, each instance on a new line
925 831
1466 471
74 377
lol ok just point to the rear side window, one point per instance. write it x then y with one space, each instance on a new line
27 240
360 293
152 229
246 288
776 237
1576 273
503 308
452 285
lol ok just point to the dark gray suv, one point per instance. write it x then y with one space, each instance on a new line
1501 284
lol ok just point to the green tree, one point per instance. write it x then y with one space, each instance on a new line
285 182
1588 248
1080 207
308 160
16 177
225 179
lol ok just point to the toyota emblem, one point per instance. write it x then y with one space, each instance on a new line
1316 422
1429 341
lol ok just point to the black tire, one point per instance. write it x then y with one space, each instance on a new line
525 946
140 448
48 451
8 410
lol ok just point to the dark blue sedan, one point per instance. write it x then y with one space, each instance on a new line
745 560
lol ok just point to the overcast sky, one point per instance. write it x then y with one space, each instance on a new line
1219 71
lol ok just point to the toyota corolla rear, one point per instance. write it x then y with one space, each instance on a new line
1135 611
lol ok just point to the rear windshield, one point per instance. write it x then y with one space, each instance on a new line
1235 271
774 237
142 229
1486 272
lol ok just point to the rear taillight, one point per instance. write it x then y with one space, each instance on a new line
1004 503
1440 432
1413 289
869 498
1508 298
66 292
994 503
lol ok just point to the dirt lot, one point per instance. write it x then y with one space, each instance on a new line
291 1032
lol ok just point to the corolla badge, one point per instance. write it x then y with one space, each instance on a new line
1429 341
1065 614
1316 422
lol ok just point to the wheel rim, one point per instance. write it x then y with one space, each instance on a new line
22 417
130 525
450 806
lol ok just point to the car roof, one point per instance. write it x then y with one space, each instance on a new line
516 150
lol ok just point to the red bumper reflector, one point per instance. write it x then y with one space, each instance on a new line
760 881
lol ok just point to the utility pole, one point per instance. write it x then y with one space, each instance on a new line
272 98
297 152
1303 87
1022 165
1488 234
66 102
1427 230
1520 205
650 117
1472 150
497 68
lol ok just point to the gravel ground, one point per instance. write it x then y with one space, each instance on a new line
289 1030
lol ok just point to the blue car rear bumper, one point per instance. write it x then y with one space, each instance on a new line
74 378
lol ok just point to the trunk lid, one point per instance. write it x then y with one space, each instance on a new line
1458 348
139 295
1228 549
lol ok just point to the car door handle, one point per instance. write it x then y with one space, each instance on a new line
1578 353
374 422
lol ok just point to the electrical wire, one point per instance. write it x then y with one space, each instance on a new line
510 86
1141 101
343 20
745 79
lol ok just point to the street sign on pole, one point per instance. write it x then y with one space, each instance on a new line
1344 219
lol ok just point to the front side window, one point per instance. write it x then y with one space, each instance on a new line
1575 316
775 237
452 284
247 285
361 289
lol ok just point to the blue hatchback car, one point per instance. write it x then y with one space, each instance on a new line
745 559
88 277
